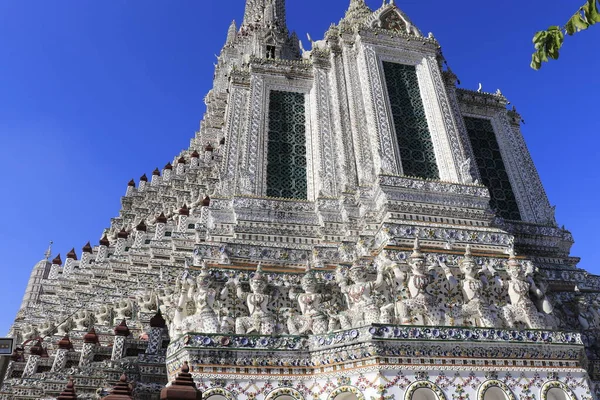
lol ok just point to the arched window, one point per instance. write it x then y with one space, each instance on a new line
555 390
557 394
217 394
424 394
346 393
284 394
495 393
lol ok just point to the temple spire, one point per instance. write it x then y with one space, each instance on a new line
357 11
265 12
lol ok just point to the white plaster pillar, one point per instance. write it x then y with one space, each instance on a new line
102 249
195 159
140 235
208 154
180 169
90 341
155 177
143 183
167 172
55 268
130 188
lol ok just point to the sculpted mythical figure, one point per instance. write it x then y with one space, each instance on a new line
47 328
124 309
362 306
185 285
82 320
313 319
224 257
260 320
204 319
29 331
104 315
148 302
65 326
521 307
475 305
421 304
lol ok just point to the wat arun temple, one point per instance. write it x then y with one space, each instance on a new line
346 224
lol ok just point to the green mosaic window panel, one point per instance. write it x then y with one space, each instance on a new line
491 167
408 113
286 153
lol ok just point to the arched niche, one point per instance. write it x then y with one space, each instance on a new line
217 394
284 394
555 390
346 393
495 390
424 390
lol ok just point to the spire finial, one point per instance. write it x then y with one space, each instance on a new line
48 252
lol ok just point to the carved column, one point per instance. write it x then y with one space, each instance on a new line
121 334
234 131
324 146
157 325
60 356
36 352
384 150
55 268
102 249
90 341
161 222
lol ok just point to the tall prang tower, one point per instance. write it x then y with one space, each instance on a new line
346 224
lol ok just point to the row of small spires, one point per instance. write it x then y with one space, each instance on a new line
123 234
181 160
183 388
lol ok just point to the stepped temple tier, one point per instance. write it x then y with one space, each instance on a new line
346 224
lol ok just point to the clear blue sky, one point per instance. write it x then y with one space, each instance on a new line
94 93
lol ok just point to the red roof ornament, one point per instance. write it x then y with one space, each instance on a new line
91 337
123 234
37 349
158 321
183 388
121 391
222 141
208 147
69 392
104 241
156 172
161 219
169 166
122 329
195 154
57 260
144 178
141 226
181 160
87 248
131 183
72 255
206 202
184 210
65 343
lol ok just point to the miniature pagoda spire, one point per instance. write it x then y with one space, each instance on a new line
69 392
183 388
231 33
121 391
